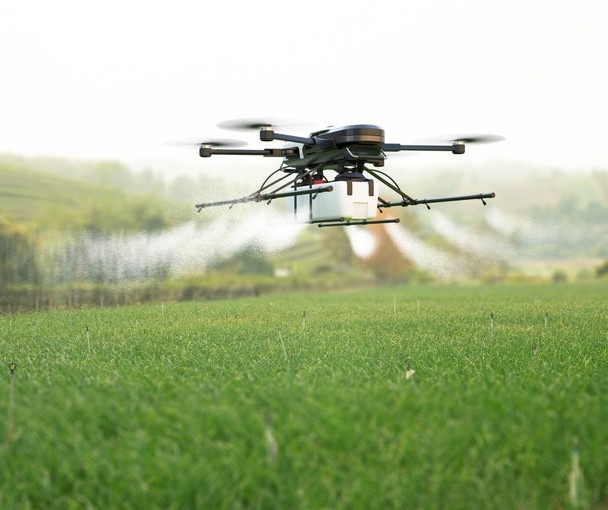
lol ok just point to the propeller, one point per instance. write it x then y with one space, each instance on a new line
214 142
478 138
470 138
255 124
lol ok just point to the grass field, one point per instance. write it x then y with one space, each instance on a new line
409 397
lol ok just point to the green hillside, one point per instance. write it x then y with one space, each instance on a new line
25 194
45 200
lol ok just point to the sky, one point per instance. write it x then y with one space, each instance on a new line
117 79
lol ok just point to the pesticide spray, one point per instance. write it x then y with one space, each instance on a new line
187 248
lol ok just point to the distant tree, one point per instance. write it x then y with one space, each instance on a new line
559 276
335 241
602 270
18 261
601 178
122 213
113 173
245 262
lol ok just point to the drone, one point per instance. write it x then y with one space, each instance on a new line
353 154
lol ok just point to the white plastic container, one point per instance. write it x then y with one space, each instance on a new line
349 200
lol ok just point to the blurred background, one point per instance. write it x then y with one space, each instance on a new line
97 207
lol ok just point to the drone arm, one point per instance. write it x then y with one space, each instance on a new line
267 134
207 152
454 148
287 138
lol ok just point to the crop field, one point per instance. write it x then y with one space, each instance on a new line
407 397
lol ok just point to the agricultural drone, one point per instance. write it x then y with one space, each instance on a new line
353 153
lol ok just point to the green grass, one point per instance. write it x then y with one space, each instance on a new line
303 401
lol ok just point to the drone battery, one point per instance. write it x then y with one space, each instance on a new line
349 200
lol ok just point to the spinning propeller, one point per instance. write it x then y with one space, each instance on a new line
214 142
468 138
256 123
477 138
212 146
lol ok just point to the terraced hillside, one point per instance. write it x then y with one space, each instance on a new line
44 200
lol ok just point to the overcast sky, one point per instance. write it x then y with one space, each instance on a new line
116 79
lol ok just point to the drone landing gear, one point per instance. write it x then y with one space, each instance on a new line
341 222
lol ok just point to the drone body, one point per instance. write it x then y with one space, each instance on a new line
353 153
348 201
